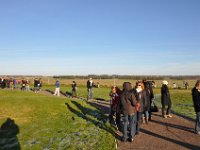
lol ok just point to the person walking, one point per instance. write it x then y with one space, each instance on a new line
127 107
90 85
196 101
57 89
165 100
74 88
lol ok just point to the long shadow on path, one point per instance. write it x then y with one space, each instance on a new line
180 127
187 145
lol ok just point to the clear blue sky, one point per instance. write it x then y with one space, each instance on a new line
80 37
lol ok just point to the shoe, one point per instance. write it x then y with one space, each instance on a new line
170 116
147 120
137 133
164 116
124 139
131 140
198 132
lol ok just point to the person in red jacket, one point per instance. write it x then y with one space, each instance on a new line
114 103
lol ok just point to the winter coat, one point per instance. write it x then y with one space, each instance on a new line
90 84
127 100
196 99
57 84
142 100
150 96
165 96
115 98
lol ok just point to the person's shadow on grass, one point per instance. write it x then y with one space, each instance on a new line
85 113
8 135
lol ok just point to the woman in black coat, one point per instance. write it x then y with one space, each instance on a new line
196 101
165 100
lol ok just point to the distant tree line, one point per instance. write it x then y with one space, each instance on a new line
133 77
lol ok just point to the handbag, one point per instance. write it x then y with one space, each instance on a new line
154 108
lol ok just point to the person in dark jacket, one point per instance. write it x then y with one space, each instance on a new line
196 101
74 88
114 106
150 97
141 106
127 107
165 100
90 85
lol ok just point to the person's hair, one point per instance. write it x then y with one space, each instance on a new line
141 83
197 83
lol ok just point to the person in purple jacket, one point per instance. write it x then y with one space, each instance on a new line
57 88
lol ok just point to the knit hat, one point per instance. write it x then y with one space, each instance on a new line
165 82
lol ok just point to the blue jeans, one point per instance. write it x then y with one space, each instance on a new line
129 120
146 114
90 93
197 125
139 118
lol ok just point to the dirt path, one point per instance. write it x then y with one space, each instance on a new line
174 133
167 134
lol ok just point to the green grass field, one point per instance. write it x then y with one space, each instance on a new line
49 122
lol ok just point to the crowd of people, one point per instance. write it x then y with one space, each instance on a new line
131 106
22 84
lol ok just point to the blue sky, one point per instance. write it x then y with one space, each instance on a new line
80 37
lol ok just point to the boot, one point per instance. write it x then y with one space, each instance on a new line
143 120
146 120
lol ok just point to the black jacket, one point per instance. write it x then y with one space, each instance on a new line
196 99
89 84
142 99
165 96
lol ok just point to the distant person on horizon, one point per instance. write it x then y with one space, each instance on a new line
36 85
57 88
186 85
74 88
196 101
165 100
90 85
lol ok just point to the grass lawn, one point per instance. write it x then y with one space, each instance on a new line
181 101
47 122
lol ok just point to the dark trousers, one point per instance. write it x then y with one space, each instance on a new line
197 124
168 109
149 114
74 93
138 123
117 120
129 120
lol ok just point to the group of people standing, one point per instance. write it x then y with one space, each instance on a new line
132 106
90 85
23 84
